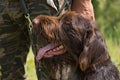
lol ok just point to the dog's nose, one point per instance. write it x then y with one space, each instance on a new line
35 21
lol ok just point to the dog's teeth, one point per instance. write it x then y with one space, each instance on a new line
57 48
50 51
54 49
61 47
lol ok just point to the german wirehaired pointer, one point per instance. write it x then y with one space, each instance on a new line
73 48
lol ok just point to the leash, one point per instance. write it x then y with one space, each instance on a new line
32 37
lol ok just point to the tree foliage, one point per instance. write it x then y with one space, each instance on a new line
107 13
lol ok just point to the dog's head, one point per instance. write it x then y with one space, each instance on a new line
46 28
70 32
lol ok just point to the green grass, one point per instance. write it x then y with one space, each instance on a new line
30 67
114 50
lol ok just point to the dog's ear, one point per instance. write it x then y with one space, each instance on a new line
83 59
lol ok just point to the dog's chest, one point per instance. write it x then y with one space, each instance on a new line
63 67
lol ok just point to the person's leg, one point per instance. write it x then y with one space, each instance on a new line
40 7
14 42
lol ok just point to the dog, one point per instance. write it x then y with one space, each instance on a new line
75 48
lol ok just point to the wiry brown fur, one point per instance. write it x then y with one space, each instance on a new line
87 57
62 66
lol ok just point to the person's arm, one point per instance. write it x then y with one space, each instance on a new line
83 7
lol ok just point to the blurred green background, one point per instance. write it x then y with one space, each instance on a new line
107 13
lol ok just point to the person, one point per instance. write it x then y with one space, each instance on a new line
84 8
14 38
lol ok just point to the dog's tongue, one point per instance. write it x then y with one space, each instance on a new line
50 50
44 50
